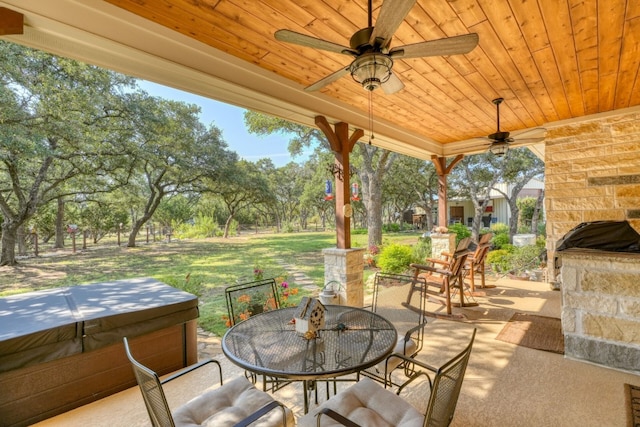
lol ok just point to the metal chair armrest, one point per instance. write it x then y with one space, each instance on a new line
336 416
411 331
417 373
193 368
263 411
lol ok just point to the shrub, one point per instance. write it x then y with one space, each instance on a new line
288 227
499 228
391 227
525 258
460 230
204 226
500 240
422 249
515 259
499 260
395 258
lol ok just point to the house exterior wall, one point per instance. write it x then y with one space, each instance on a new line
500 208
592 173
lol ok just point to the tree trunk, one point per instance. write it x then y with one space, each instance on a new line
513 221
60 228
374 217
9 233
135 229
22 241
477 221
371 179
227 225
536 213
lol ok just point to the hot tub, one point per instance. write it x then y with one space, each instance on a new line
62 348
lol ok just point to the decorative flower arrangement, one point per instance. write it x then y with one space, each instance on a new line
370 255
285 291
258 273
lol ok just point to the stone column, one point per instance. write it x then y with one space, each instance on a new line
346 266
442 243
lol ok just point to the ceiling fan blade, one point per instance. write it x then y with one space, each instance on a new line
392 13
393 85
289 36
527 140
528 131
448 46
327 80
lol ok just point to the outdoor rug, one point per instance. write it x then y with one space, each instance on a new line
539 332
632 394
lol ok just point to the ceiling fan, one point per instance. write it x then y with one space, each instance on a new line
373 60
500 140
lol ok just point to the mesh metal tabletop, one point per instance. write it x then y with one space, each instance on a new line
353 339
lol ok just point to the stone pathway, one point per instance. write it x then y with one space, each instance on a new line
209 343
300 279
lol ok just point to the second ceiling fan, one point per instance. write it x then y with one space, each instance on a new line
373 59
500 140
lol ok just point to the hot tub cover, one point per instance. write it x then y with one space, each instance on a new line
46 325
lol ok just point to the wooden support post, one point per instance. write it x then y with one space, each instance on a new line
442 169
341 144
11 22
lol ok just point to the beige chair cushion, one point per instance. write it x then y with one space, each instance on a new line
369 405
393 362
228 405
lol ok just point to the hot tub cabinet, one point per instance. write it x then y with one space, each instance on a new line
62 348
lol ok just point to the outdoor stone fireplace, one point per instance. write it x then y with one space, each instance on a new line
601 307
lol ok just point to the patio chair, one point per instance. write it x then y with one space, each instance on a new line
236 403
251 298
389 301
367 403
476 261
248 299
445 282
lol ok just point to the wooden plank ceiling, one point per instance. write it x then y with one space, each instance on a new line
550 59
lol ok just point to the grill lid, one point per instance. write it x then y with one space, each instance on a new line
615 236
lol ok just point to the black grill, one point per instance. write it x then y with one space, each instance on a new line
613 236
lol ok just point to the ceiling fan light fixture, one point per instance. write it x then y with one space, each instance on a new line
371 70
499 148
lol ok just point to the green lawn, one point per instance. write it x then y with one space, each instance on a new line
211 264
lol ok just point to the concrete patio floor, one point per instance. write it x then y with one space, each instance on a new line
505 384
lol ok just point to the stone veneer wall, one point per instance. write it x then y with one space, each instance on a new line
346 267
592 173
442 243
601 307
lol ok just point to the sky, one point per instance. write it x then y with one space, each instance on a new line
230 120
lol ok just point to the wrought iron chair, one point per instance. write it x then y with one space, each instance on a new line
366 403
248 299
408 316
251 298
236 403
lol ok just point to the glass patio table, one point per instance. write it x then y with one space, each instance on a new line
352 340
